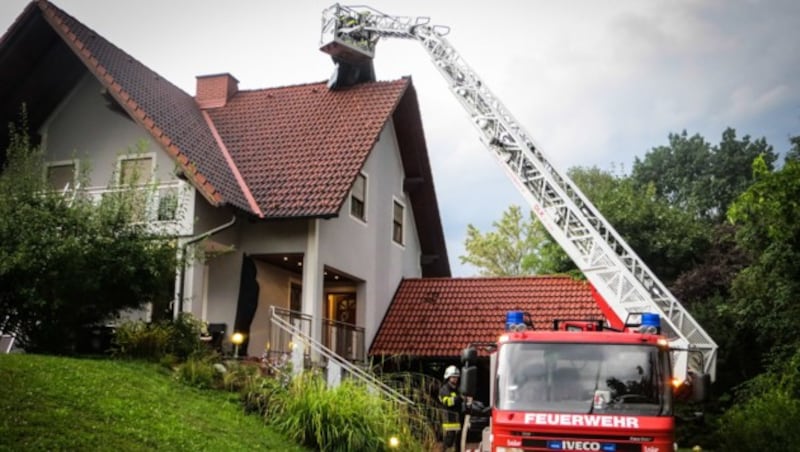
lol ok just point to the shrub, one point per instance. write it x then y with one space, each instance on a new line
345 418
140 340
199 372
166 341
765 422
185 336
239 376
768 411
262 395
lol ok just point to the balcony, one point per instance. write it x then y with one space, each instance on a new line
167 208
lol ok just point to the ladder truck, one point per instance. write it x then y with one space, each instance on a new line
624 286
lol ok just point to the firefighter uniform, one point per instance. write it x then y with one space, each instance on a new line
453 408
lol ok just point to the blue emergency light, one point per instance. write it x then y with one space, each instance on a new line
514 320
651 323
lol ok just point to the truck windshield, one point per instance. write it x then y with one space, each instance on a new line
583 378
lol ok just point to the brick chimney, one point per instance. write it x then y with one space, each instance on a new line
215 90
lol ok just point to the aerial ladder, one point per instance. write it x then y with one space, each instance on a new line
620 277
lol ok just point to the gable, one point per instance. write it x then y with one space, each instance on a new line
44 37
83 127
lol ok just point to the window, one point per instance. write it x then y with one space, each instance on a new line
397 223
60 175
136 170
358 198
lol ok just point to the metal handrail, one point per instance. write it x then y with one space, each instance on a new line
354 370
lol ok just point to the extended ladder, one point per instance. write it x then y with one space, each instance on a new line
621 278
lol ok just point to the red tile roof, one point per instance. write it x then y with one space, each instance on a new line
300 147
438 317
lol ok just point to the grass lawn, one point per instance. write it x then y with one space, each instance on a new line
52 403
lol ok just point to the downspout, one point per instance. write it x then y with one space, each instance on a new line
186 245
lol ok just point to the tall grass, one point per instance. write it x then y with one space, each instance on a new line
346 418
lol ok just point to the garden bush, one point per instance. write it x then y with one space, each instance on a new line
346 418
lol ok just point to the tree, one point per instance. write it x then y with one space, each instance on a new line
66 262
516 247
767 217
666 238
692 175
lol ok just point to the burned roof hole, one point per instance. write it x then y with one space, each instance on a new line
431 297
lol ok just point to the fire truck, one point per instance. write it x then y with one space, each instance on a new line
605 386
581 385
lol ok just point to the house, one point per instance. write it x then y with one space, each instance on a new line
311 200
300 202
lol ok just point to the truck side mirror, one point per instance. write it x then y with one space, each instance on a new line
469 380
701 386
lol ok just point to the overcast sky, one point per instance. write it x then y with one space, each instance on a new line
595 83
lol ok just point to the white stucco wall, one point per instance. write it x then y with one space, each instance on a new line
366 250
83 127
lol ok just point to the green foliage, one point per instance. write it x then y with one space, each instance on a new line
696 177
666 238
141 340
515 247
345 418
185 334
263 396
769 410
240 376
66 262
155 341
767 217
60 404
199 372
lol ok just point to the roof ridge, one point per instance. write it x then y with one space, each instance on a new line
467 278
322 82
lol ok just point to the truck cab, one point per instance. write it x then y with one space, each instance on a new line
579 387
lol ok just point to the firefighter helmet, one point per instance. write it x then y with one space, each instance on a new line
451 371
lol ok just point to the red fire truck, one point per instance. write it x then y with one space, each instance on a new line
581 386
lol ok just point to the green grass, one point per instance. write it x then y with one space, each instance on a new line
57 404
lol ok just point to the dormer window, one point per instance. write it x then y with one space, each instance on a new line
358 198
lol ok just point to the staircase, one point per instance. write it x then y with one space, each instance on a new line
302 347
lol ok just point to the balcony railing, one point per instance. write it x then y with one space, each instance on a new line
168 207
346 339
281 343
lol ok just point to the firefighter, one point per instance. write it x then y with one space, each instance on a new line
453 405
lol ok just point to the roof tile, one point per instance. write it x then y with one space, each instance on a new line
438 317
300 147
